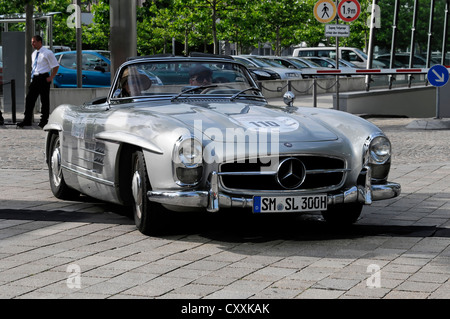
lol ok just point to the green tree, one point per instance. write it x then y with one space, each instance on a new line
96 35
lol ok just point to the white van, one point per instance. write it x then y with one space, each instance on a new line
354 55
59 48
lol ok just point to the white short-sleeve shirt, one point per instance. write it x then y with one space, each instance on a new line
46 61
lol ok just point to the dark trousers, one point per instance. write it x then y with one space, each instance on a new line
38 87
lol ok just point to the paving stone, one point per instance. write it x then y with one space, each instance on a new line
408 238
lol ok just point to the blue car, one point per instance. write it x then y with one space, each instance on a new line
96 69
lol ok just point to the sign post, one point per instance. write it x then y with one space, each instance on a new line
438 76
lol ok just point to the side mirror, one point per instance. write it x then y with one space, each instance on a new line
99 68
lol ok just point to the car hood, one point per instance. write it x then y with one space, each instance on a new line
219 120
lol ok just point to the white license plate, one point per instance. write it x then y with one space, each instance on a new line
283 204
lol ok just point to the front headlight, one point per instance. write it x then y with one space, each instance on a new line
187 161
377 155
190 152
380 150
261 73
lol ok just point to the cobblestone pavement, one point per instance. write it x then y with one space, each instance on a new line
400 248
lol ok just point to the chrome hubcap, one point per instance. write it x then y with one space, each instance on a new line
136 188
56 166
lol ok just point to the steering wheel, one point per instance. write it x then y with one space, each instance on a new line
219 90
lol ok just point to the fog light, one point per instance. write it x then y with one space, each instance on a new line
189 176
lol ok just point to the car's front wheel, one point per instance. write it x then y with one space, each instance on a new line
147 215
343 214
57 183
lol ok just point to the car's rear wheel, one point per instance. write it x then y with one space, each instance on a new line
57 183
343 214
147 215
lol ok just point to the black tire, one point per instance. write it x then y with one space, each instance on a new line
343 214
147 214
57 184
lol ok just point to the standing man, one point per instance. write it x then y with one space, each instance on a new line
44 70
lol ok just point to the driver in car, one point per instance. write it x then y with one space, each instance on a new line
200 76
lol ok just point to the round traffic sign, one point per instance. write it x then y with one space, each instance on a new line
349 10
438 75
325 10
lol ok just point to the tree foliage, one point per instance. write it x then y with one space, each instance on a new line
200 24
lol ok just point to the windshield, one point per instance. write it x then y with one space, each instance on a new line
299 64
261 62
170 78
106 54
361 53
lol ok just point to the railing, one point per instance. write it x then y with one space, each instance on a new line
391 73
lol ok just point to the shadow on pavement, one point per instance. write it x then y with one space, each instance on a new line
233 227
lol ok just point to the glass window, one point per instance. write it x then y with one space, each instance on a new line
351 56
169 78
69 61
91 62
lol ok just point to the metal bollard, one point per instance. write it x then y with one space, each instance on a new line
13 100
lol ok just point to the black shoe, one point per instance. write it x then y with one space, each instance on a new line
2 121
23 123
42 124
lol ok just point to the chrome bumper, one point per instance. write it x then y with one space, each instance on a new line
212 200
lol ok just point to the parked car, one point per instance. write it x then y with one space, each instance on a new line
329 63
182 146
257 62
59 48
96 69
259 73
354 55
295 63
385 61
403 60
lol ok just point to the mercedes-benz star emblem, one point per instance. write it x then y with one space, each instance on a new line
291 173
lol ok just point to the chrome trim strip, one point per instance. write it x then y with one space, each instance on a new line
90 177
121 137
312 171
90 161
327 171
92 151
248 173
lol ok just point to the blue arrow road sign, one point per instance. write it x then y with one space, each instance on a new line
438 75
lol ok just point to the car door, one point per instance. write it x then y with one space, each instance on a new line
67 72
96 71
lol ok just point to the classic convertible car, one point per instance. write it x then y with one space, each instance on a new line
196 134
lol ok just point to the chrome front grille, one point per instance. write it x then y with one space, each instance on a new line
299 173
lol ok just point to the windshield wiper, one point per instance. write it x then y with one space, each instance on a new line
245 90
194 89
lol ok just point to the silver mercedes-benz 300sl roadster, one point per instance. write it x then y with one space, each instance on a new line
196 134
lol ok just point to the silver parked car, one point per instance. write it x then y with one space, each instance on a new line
260 62
205 139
